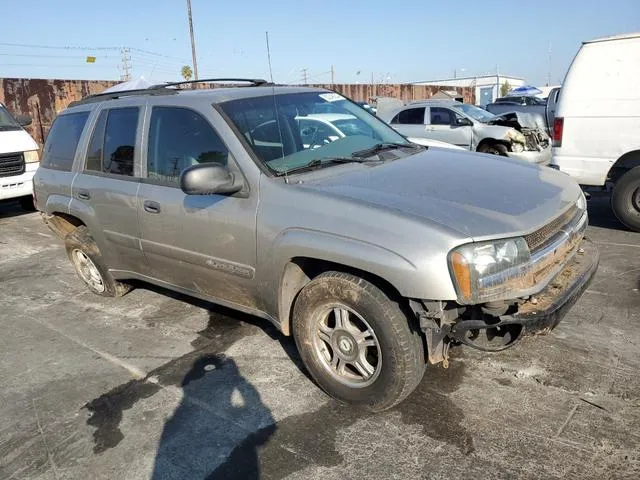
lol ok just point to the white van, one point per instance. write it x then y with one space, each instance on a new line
596 132
18 159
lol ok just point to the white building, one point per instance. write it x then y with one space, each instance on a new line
487 86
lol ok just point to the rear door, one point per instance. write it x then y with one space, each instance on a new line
202 243
443 127
410 122
107 185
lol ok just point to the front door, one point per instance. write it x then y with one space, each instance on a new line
108 184
443 126
202 243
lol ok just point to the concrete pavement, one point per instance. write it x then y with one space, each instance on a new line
156 385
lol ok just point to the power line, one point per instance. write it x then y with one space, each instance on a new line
80 47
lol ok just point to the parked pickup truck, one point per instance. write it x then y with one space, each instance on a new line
542 111
375 253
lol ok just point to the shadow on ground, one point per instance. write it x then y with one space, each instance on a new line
10 208
222 428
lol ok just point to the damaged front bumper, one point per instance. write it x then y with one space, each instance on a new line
493 328
542 157
540 313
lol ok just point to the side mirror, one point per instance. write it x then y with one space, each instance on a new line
23 120
209 179
463 122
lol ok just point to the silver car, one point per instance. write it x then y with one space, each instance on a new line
510 135
375 253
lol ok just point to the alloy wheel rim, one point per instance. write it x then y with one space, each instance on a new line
347 346
88 271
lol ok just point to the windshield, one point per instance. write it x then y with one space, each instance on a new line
287 131
474 112
7 122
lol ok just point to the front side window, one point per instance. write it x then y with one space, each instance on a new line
441 116
180 138
113 144
62 141
291 130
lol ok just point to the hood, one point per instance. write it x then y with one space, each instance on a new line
13 141
517 120
479 196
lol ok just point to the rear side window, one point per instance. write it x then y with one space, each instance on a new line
180 138
411 116
441 116
62 141
113 143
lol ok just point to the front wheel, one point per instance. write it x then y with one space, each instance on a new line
625 199
356 342
494 149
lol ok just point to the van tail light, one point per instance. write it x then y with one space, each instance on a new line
558 127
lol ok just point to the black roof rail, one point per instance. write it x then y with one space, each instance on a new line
255 82
161 89
99 97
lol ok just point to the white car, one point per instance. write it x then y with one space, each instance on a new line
512 134
322 128
18 159
596 131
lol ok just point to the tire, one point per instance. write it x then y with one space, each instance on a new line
625 199
382 335
27 203
89 265
494 149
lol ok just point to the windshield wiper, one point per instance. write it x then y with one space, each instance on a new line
379 147
319 162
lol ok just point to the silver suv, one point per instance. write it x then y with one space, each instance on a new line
376 254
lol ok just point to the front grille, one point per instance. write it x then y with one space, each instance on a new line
11 165
538 238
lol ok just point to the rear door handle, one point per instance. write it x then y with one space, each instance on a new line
151 207
84 194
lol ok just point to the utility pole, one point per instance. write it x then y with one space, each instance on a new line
125 66
304 75
193 43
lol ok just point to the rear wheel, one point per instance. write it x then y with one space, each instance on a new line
356 342
90 267
494 149
625 199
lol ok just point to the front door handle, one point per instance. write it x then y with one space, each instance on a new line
151 207
84 194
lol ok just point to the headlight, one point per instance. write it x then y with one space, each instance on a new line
484 271
582 202
31 156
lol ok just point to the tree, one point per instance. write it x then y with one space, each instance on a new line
505 88
186 72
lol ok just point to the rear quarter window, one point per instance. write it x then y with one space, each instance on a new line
62 141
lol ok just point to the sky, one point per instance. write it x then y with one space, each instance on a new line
393 42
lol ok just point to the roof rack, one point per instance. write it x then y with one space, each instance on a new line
162 89
254 82
99 97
